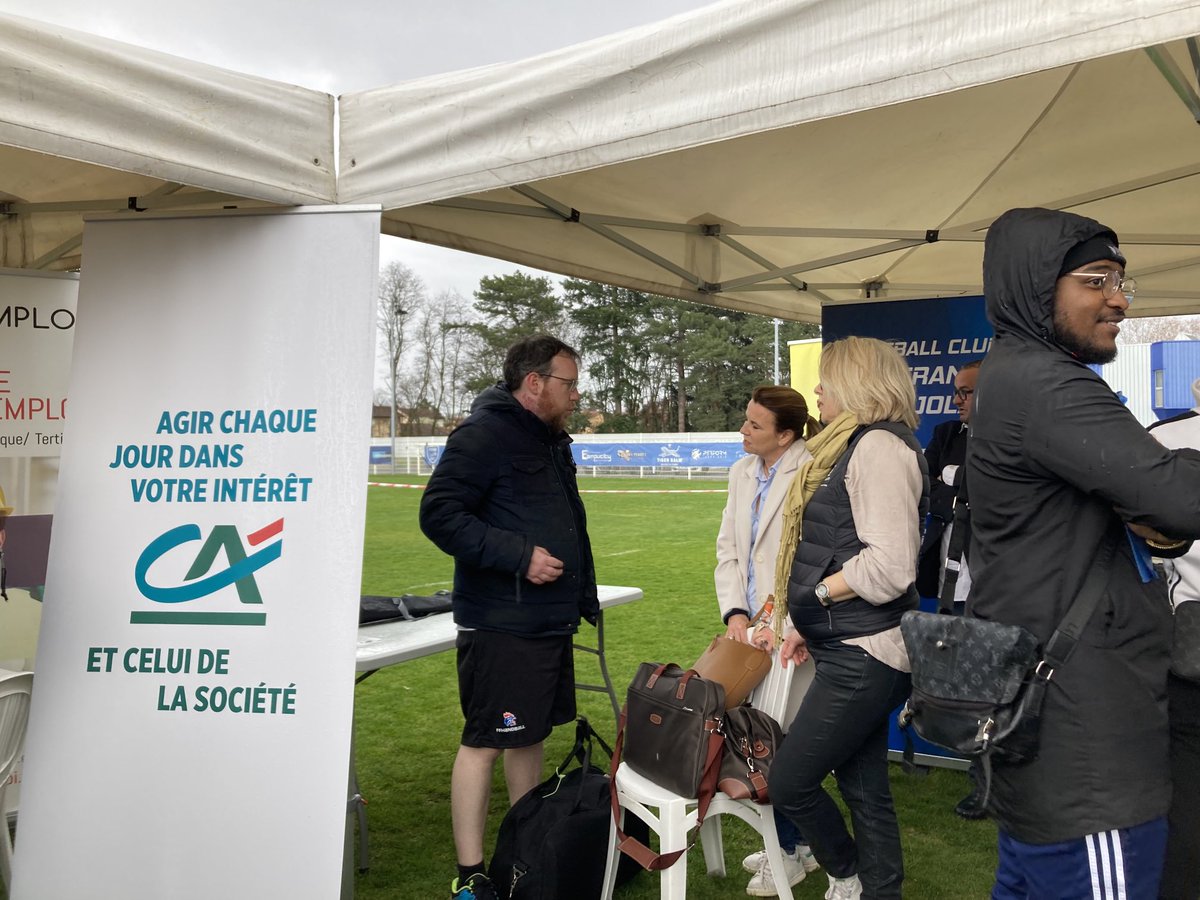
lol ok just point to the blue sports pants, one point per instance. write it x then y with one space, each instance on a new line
1123 864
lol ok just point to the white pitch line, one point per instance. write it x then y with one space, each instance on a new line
669 491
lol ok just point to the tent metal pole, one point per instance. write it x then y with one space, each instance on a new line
1165 63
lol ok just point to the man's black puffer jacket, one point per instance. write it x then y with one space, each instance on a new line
504 485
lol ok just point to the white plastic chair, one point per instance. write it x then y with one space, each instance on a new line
15 689
671 816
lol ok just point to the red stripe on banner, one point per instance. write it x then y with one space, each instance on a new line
421 487
264 533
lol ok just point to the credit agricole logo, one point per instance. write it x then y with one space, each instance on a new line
201 581
196 460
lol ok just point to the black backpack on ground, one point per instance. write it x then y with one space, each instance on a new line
553 842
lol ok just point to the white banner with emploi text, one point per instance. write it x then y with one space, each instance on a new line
37 328
190 731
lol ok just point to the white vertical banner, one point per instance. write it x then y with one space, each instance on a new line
190 730
37 329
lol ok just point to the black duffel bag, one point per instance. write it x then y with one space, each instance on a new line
553 842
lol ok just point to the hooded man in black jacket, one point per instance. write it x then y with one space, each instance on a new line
1058 468
504 503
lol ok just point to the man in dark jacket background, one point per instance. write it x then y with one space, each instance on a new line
947 447
1058 468
945 455
504 503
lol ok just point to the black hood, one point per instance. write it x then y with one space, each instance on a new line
1022 256
498 398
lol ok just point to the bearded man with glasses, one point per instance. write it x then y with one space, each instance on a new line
1058 470
503 501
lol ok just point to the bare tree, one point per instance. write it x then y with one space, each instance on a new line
401 291
440 346
450 348
426 322
1149 329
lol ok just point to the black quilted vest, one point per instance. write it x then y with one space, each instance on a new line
829 540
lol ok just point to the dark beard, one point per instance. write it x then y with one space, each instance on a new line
1083 350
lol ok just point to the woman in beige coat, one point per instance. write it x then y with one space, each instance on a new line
777 421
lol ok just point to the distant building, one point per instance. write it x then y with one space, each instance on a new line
410 420
1154 380
1174 366
381 421
1129 376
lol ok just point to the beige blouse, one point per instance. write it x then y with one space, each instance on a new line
884 483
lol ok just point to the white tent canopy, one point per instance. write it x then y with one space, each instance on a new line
771 156
777 155
89 124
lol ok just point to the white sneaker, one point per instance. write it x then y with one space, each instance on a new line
763 882
803 852
844 888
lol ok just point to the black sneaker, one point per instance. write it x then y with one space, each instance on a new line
971 807
477 887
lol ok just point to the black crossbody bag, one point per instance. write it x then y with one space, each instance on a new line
979 686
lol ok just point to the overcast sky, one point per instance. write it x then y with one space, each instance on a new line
339 46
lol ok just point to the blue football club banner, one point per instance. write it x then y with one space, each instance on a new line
935 336
630 455
670 453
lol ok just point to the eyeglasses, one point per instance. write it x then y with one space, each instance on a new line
1108 282
571 383
963 393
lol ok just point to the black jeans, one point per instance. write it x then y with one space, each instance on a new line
1181 875
842 725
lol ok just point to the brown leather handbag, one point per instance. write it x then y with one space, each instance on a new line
737 667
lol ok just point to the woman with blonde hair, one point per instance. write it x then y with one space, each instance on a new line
777 421
852 528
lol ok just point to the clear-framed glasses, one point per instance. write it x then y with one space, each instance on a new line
1109 282
963 393
571 383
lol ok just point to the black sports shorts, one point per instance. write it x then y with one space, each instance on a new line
514 690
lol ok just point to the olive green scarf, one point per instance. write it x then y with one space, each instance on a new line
826 449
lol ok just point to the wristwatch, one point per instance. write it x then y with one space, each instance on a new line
822 592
